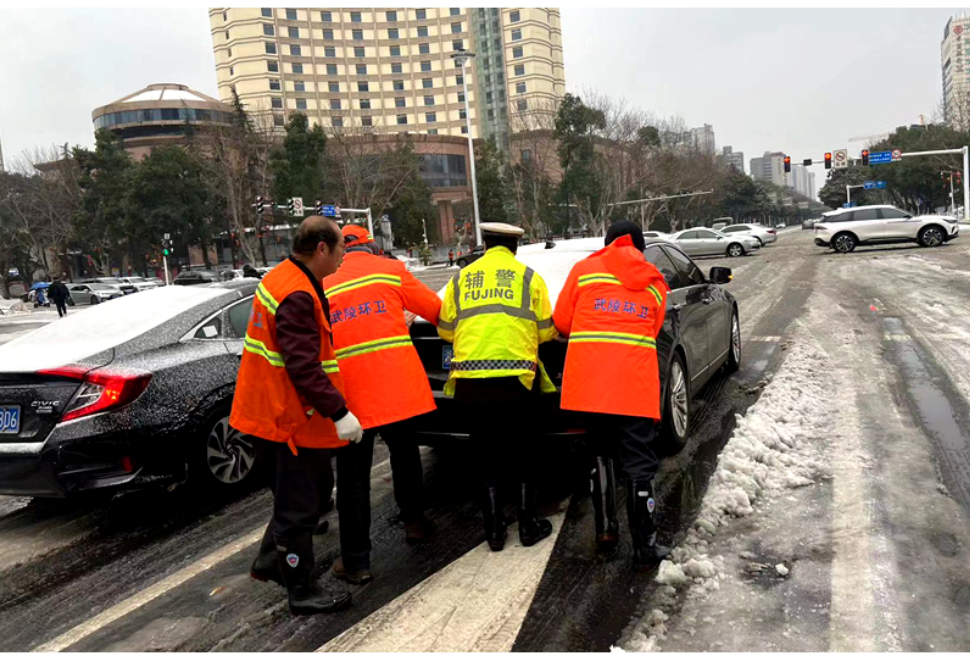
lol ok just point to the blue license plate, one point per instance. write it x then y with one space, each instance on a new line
447 353
9 420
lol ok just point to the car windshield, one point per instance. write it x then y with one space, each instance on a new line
99 287
110 280
135 280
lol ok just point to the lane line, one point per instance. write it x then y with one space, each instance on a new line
162 587
146 596
477 603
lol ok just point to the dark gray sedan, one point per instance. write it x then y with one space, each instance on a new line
133 393
701 334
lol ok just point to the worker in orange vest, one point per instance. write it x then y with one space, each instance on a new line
612 308
386 386
289 397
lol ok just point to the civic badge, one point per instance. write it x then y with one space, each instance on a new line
294 560
651 505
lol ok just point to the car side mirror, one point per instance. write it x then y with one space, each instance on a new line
720 275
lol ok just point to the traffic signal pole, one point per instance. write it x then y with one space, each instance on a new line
965 151
848 192
165 266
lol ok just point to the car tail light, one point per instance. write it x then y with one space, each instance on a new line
771 231
101 390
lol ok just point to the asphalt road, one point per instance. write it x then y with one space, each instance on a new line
158 570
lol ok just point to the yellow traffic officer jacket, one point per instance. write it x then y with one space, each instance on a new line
496 312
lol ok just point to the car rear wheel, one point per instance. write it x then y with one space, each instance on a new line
761 243
94 300
931 237
461 263
735 250
225 459
676 409
844 243
734 353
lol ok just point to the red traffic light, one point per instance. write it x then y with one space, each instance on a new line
788 163
865 158
828 160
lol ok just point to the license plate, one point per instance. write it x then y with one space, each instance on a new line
447 353
9 420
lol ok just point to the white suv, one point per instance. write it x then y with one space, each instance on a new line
844 229
764 235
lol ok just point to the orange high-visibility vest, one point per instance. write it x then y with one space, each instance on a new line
612 308
266 403
384 378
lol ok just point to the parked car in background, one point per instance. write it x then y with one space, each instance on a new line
808 223
91 293
189 277
721 223
115 282
700 335
844 229
140 283
707 242
157 280
780 225
659 235
129 394
469 257
764 235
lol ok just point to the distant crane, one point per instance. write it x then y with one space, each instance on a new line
875 137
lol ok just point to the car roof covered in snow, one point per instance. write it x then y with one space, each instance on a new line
103 327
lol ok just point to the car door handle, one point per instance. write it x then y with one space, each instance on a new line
706 300
678 307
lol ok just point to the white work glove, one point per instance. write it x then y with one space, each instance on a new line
349 429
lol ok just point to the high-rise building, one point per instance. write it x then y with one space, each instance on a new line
733 158
769 167
702 139
802 181
955 66
390 69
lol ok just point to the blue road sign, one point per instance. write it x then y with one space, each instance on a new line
330 211
849 205
880 157
880 184
868 185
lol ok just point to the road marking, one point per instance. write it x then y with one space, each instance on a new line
112 614
146 596
476 603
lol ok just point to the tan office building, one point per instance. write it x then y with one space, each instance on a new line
390 69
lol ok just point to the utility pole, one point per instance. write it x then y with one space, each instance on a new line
848 192
462 56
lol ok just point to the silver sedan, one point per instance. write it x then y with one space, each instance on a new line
92 293
704 242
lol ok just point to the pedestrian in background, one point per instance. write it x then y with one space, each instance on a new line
59 294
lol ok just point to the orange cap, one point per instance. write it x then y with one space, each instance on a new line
356 235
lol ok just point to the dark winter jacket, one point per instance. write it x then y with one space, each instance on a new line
58 292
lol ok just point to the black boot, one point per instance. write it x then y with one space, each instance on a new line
496 529
604 504
641 505
532 528
265 567
306 594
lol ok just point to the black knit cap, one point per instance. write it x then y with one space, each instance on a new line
626 228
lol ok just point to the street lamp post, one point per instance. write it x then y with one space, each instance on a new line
462 56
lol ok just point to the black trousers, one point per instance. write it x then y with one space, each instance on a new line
61 307
301 485
503 437
354 464
628 440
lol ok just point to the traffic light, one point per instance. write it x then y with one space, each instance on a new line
318 208
807 162
260 206
167 247
828 160
289 206
865 158
788 163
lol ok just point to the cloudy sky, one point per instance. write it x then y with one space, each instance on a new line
799 81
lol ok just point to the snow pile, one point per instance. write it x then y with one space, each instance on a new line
776 446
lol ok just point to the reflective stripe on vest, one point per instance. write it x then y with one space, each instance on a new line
269 302
259 348
595 278
373 346
613 338
368 280
656 294
330 367
492 365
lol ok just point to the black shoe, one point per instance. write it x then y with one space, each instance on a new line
532 528
496 528
603 494
322 528
306 595
418 531
265 567
641 509
341 572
